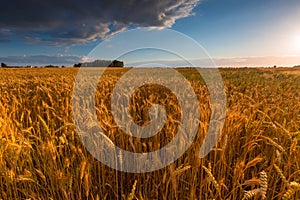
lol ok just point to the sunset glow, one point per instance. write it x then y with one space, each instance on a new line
296 42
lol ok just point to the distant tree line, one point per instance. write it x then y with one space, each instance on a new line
101 63
51 66
78 65
4 65
96 63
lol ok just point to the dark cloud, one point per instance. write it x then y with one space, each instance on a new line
78 21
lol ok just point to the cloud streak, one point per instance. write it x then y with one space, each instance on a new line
259 61
42 60
69 60
77 21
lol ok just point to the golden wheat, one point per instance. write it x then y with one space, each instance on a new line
43 157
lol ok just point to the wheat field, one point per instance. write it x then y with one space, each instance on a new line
256 157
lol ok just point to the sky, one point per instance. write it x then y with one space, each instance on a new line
233 32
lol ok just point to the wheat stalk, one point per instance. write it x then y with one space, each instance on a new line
131 195
250 194
279 171
212 178
264 184
262 191
293 187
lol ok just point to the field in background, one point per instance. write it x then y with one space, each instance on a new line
257 155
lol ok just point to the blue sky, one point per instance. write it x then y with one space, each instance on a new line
245 28
234 32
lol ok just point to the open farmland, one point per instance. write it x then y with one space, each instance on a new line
257 155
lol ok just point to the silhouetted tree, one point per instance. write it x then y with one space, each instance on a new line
3 65
78 65
116 63
51 66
